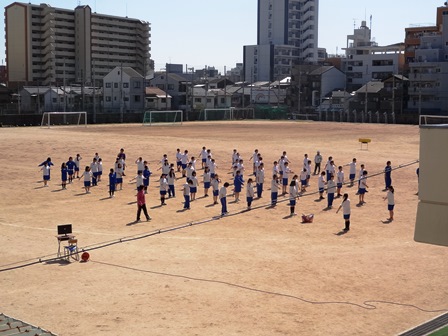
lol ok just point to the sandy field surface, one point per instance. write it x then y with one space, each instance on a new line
250 273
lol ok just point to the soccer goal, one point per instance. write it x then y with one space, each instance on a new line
166 117
239 113
216 114
64 118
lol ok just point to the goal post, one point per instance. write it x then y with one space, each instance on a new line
163 117
64 118
232 113
239 113
216 114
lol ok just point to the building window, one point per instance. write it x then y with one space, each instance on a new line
137 85
116 85
197 100
108 98
125 85
126 99
161 86
55 100
223 100
170 86
137 99
209 100
163 100
108 85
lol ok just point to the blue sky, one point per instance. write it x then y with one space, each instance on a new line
213 32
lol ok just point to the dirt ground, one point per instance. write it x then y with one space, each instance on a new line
251 273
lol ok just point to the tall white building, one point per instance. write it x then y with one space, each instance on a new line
47 45
287 33
366 60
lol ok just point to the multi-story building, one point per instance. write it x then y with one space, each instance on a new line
287 34
47 45
366 60
413 35
428 74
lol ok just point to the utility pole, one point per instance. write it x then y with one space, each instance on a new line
121 93
367 83
393 93
94 89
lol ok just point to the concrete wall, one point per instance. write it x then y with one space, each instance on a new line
432 214
16 30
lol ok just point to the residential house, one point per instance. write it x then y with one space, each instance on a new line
176 87
157 99
123 87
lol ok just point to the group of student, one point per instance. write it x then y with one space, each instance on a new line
331 179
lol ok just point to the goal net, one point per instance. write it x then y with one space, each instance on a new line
163 117
63 118
216 114
243 113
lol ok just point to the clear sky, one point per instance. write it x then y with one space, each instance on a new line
213 32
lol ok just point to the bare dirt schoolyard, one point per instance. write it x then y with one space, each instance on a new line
259 272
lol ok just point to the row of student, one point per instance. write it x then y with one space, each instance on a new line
190 187
93 174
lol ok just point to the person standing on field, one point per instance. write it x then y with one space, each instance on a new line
345 205
317 162
390 197
141 204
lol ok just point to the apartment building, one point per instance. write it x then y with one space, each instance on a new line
414 33
366 60
428 74
287 33
47 45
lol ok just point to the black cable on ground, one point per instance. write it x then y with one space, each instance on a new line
368 305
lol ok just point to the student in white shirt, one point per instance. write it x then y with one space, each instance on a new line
340 180
260 180
139 179
119 171
345 205
254 158
352 172
274 190
203 155
390 202
249 193
317 163
87 174
178 159
303 177
215 188
94 170
223 198
193 186
331 189
321 185
46 173
171 178
292 197
186 191
163 188
362 187
285 176
184 162
140 164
